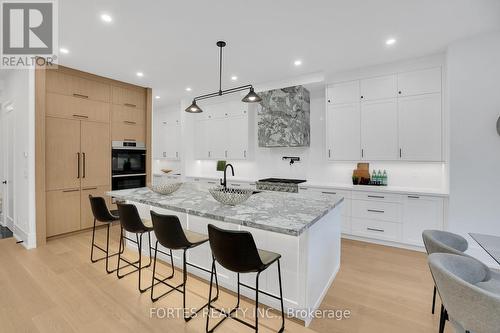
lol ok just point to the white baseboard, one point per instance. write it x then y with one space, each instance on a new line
385 243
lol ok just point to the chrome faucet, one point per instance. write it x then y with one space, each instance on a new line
224 182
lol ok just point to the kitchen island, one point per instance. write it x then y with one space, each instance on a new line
303 228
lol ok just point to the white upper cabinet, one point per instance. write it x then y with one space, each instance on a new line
167 136
222 132
343 93
376 88
379 130
420 127
343 132
419 82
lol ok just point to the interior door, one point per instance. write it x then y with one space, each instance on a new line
96 154
379 130
344 137
62 154
7 185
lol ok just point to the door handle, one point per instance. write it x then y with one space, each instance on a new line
4 182
129 122
329 193
89 188
375 229
375 211
80 116
84 164
130 105
73 190
80 96
78 157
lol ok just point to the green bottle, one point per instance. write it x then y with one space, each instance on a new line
384 182
379 178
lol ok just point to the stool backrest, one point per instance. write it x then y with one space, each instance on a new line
100 210
130 218
168 231
469 295
439 241
234 250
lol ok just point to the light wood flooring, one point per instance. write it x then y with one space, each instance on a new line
55 288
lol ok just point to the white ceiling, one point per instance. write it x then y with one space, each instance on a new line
173 42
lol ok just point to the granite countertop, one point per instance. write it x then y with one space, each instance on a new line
286 213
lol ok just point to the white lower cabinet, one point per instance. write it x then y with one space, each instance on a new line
421 213
376 229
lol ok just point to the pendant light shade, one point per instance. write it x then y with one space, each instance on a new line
194 108
251 97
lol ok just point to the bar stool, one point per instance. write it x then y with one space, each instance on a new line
103 215
132 223
170 234
236 251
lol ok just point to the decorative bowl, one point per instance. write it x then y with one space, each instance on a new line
166 188
230 195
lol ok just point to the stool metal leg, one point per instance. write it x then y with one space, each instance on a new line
434 300
281 300
153 283
106 250
257 303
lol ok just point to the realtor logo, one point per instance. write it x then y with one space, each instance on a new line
28 33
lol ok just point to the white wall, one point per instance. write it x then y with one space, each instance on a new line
267 162
19 89
474 102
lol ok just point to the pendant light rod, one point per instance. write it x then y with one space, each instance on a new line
251 97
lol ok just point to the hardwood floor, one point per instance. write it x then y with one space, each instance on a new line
55 288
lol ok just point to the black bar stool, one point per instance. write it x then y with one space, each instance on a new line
132 223
170 234
103 215
236 251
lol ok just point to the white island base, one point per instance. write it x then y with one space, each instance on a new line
309 263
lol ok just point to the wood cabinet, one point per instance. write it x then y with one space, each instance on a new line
127 132
96 153
379 130
129 97
420 127
400 118
86 215
63 106
344 132
128 115
76 86
63 211
62 154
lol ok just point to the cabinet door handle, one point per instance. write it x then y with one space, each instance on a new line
211 182
233 184
129 122
84 164
78 159
176 154
81 96
244 153
73 190
413 197
400 153
130 105
303 188
80 116
329 153
89 188
376 196
128 139
225 153
375 211
329 192
375 229
362 153
209 154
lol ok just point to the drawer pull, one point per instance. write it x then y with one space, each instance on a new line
74 190
80 116
375 211
81 96
130 105
376 196
128 139
375 229
212 182
303 188
235 184
89 188
413 197
329 193
129 122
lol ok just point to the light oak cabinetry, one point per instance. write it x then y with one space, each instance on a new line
82 114
400 118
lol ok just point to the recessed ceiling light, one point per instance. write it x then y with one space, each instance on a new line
157 97
139 74
297 62
106 18
64 50
234 78
188 89
390 41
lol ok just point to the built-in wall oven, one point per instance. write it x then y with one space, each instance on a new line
128 165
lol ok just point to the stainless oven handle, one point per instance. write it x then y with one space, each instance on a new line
129 175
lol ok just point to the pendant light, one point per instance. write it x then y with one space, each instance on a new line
251 97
